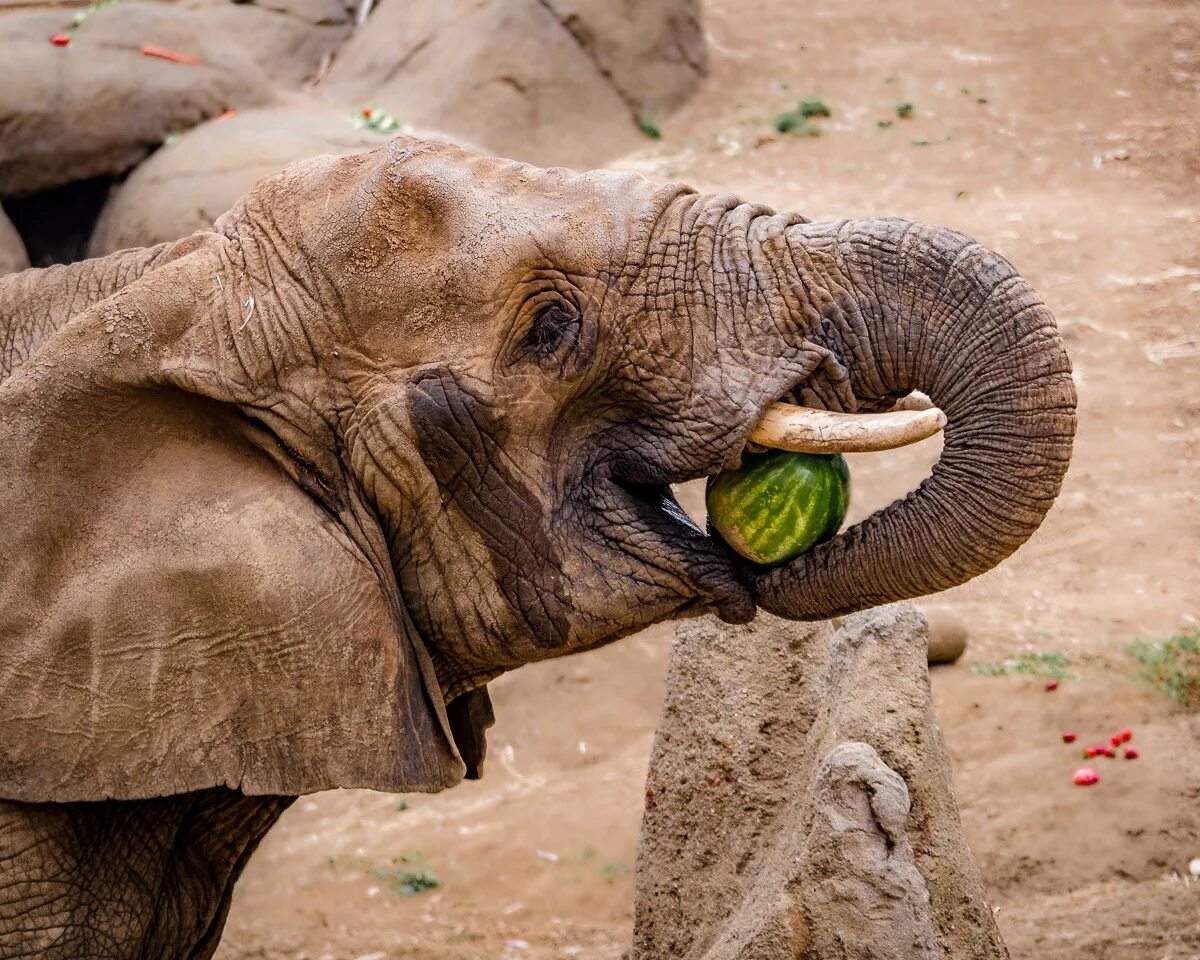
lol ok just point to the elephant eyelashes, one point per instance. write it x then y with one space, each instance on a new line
554 325
553 338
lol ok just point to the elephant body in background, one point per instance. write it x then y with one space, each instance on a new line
281 498
12 250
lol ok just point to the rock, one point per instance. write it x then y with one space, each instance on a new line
547 81
98 106
12 250
187 184
947 636
799 801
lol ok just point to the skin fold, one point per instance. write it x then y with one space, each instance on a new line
283 497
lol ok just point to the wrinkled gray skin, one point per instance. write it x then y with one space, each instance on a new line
509 366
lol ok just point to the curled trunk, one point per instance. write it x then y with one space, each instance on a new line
913 307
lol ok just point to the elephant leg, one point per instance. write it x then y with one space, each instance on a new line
125 880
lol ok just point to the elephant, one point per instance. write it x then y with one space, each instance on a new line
12 250
281 498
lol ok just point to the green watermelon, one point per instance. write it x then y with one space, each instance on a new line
779 504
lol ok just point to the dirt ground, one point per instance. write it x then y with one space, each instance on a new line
1067 135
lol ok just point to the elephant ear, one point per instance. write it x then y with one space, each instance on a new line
176 612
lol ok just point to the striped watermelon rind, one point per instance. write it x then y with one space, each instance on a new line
778 505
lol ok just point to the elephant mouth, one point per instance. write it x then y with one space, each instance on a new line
717 578
700 568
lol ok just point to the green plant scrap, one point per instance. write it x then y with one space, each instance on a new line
612 872
797 121
1051 664
648 127
1171 665
371 117
407 882
77 20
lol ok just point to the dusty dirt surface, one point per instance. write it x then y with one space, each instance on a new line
1064 134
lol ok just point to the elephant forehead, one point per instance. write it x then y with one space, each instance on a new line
585 217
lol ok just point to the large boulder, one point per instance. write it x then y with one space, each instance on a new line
548 81
12 250
799 801
187 184
99 105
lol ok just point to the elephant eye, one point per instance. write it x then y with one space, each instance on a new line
552 337
554 325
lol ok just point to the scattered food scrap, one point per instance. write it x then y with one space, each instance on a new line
174 56
1086 776
91 8
649 127
797 120
371 117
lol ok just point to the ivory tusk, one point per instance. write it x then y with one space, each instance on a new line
785 426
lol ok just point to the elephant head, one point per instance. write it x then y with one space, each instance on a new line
468 386
527 360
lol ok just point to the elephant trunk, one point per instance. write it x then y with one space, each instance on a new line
914 307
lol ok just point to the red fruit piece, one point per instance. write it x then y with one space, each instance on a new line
1091 752
1051 685
60 39
1068 738
1109 752
1085 777
1126 735
1115 740
1131 753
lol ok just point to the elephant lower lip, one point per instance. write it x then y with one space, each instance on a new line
706 562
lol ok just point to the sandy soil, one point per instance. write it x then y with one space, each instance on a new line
1065 134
